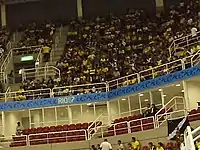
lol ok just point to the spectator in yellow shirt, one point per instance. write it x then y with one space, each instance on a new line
46 52
135 144
160 146
198 144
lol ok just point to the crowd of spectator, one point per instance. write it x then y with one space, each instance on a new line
4 39
30 89
108 48
35 34
136 145
133 145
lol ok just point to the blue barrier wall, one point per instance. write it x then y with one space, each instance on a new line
95 97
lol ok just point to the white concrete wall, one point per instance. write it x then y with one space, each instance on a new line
193 93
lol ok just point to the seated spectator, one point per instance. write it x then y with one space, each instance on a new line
93 147
147 112
35 34
98 147
19 129
120 145
160 146
154 110
151 146
130 146
135 144
108 48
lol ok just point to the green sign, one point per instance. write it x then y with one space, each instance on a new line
26 58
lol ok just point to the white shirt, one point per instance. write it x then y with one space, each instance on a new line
120 147
194 31
105 146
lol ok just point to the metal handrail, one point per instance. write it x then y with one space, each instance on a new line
95 123
182 40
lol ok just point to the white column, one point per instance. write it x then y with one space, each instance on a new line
140 103
108 109
94 106
186 97
151 97
129 105
70 114
29 117
119 108
3 15
43 118
79 8
56 116
3 122
162 98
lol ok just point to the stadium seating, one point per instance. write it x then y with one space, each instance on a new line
105 49
54 134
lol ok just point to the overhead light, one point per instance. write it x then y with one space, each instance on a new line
89 104
146 100
182 90
160 90
164 95
178 85
141 94
123 99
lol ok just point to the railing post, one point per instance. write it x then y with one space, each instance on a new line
167 69
138 77
129 127
152 71
141 124
183 64
107 86
114 130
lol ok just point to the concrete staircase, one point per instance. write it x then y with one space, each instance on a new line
59 49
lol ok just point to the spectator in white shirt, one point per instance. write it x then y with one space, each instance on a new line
120 145
194 31
105 145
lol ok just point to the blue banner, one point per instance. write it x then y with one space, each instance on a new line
97 97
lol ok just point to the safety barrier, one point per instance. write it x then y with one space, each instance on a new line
40 73
184 42
175 107
26 95
49 138
125 127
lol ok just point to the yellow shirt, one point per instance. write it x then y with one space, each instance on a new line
198 145
159 148
135 145
45 49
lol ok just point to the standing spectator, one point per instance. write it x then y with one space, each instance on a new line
160 146
19 129
105 145
147 112
154 109
194 31
46 52
120 145
98 147
151 146
135 144
93 147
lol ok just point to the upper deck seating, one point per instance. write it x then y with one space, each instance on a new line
108 48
